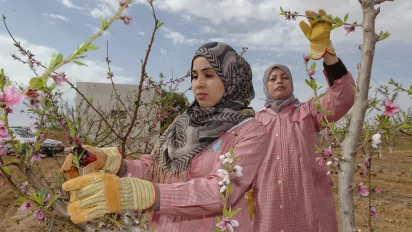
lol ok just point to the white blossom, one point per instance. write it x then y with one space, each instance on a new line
329 162
226 158
224 174
238 170
376 139
223 188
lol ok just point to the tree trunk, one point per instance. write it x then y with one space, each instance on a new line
349 145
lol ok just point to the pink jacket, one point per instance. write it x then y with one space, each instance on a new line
293 192
193 205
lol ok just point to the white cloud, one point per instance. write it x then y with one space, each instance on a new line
104 8
56 16
141 33
207 29
20 73
179 38
70 4
252 11
274 38
186 17
285 38
219 10
107 8
96 29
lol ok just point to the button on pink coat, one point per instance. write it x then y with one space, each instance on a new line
192 206
293 192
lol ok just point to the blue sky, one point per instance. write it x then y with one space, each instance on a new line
47 26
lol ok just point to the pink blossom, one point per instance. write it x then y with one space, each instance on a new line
227 224
36 62
349 29
327 152
363 174
60 78
362 189
24 187
375 190
9 110
10 96
390 108
35 158
48 197
320 160
3 130
25 207
374 212
126 19
39 214
123 2
312 72
3 151
306 58
367 163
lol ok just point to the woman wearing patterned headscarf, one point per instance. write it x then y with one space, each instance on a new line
293 190
180 179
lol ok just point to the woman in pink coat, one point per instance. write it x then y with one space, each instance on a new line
184 183
293 191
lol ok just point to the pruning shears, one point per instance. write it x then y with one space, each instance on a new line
81 158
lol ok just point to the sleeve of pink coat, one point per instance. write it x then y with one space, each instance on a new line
201 196
139 168
337 100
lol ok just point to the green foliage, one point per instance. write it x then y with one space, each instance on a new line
174 100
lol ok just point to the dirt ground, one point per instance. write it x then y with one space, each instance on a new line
393 178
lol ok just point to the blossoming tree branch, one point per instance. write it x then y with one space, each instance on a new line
49 112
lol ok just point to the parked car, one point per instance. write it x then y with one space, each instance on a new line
49 146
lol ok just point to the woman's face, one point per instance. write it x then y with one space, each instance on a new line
279 84
207 86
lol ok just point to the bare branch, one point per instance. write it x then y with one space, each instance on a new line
377 2
142 77
377 11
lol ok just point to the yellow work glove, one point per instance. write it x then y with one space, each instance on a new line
108 159
96 194
318 34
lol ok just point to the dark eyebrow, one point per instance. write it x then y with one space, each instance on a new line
204 69
275 75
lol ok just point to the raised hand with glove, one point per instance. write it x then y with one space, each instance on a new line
318 34
97 194
107 159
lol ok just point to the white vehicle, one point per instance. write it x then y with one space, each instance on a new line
49 146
